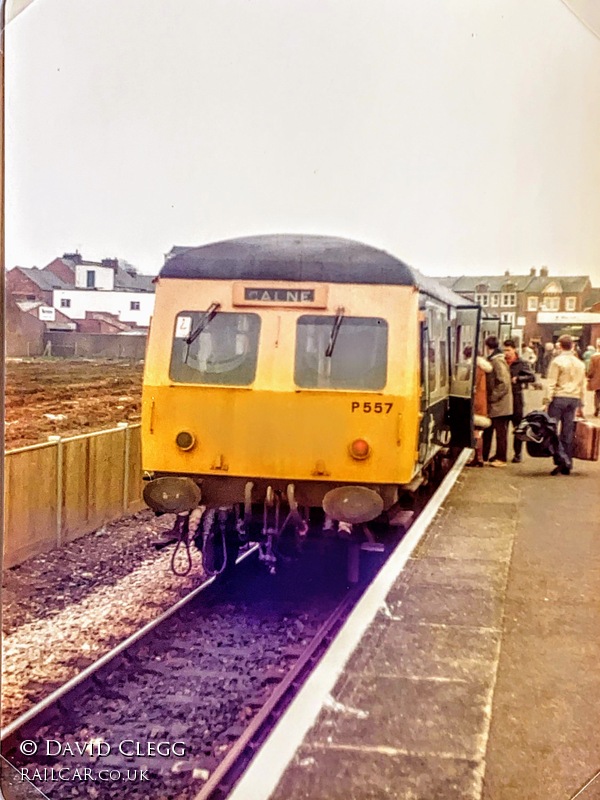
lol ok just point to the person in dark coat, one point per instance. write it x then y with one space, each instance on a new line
500 404
520 375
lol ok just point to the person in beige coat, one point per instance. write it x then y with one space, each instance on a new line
593 383
500 404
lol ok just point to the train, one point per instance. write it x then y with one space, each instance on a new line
294 378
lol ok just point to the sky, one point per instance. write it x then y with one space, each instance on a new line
459 135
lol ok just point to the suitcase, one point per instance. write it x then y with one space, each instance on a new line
587 441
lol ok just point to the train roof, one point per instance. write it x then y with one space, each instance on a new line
292 257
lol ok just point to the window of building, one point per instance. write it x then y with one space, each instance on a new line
495 300
532 304
225 351
509 299
65 302
90 279
134 305
570 303
358 357
482 299
507 316
551 303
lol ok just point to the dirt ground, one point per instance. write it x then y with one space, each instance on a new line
46 396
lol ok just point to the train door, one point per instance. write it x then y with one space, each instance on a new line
435 378
424 386
489 326
464 340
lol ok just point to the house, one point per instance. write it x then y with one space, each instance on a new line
51 317
539 307
24 332
103 322
23 283
75 286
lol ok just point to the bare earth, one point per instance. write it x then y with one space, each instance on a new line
85 394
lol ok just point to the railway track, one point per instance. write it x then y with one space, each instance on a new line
193 694
196 678
223 779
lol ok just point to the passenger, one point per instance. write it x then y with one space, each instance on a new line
521 374
594 381
464 367
547 358
590 351
500 404
566 395
481 421
528 355
539 357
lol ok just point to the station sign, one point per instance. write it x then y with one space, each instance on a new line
47 314
568 317
290 296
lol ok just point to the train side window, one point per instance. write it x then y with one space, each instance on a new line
358 359
225 352
431 365
443 363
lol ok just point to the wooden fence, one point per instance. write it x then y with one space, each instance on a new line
60 490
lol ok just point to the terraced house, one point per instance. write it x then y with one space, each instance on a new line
97 296
540 307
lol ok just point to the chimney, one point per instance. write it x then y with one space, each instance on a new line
110 262
507 274
543 272
74 257
532 272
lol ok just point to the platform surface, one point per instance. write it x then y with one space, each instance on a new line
479 679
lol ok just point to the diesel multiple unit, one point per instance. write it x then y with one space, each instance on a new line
289 377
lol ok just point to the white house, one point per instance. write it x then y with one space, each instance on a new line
94 276
128 306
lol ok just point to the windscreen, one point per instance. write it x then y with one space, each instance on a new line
223 353
357 347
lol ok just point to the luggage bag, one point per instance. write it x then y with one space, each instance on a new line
586 441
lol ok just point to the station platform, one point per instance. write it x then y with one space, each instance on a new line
478 677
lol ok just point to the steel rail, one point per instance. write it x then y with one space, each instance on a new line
263 774
11 729
226 774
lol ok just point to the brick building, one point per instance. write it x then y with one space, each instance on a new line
78 288
23 283
24 332
539 306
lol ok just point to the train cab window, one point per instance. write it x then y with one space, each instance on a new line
357 360
224 353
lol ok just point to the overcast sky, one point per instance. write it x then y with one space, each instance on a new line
460 135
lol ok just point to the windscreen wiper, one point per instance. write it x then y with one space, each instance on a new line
337 322
204 320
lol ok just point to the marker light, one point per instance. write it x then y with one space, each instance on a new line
359 449
185 440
